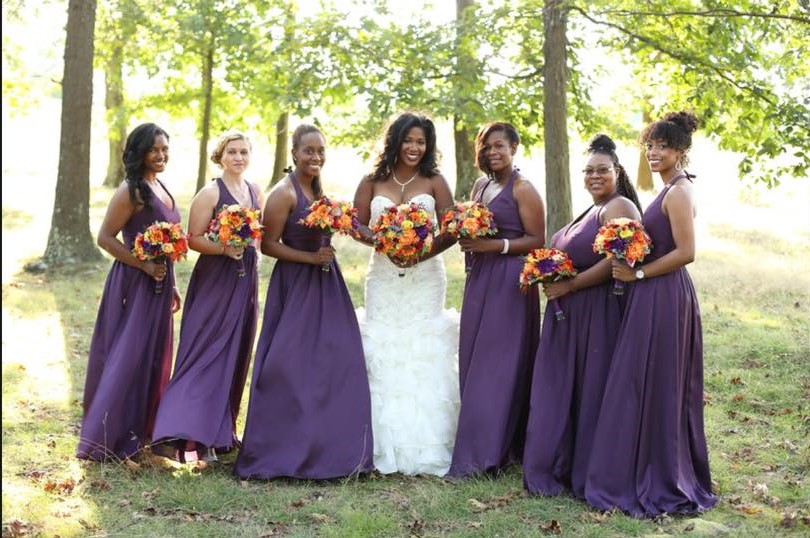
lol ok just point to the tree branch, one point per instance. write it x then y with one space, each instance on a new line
708 13
675 54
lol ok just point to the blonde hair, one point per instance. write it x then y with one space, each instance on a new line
230 136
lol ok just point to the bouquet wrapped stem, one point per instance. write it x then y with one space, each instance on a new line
326 240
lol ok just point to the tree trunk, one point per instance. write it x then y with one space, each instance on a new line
69 240
116 116
465 160
282 146
205 124
555 110
644 180
462 136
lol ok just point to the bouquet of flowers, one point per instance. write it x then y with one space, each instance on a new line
468 219
403 232
624 239
159 242
546 265
331 216
237 226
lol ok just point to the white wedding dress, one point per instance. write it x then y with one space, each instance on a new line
411 346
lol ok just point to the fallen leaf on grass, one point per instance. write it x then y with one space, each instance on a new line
416 527
750 510
103 485
689 528
89 526
36 474
736 380
497 502
553 527
60 487
321 518
737 398
17 528
475 524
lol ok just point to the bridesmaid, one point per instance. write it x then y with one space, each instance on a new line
649 451
131 350
197 416
310 412
495 370
573 358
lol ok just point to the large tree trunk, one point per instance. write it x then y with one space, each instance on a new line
462 136
644 180
69 239
282 146
205 124
555 110
465 160
116 115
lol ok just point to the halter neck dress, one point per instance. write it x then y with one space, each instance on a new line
500 327
201 405
130 352
649 452
309 414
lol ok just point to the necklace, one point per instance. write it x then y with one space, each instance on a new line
404 184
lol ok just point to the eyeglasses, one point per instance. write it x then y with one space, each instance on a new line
601 171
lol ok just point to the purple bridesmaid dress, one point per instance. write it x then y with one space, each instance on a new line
649 452
570 370
130 353
497 342
201 404
309 414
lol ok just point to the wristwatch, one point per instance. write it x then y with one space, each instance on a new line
639 274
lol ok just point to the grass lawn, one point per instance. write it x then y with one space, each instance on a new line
754 286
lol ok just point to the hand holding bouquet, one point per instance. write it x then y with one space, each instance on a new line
403 233
546 265
624 239
468 219
236 226
331 216
159 242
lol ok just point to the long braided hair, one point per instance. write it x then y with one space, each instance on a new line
602 144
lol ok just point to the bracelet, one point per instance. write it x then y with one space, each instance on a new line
505 247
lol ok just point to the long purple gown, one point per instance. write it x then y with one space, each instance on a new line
201 404
570 371
309 414
649 452
130 353
497 342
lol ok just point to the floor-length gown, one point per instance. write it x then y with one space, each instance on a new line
309 414
649 452
410 341
570 371
130 353
201 404
500 327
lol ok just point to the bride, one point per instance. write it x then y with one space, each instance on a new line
409 339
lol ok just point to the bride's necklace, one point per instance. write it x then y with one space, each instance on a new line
403 184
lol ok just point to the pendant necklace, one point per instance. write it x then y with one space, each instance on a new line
401 184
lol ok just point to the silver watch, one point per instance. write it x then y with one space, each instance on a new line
639 274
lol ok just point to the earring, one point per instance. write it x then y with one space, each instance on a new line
679 165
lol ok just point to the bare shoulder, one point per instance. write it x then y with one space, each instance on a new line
283 191
620 207
523 185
